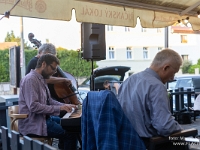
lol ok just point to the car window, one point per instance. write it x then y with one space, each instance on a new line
109 78
101 79
86 82
185 83
171 85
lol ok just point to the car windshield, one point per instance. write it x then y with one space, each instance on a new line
172 85
101 79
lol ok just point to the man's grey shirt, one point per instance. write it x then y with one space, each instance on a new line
145 101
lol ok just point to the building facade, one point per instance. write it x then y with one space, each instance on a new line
136 47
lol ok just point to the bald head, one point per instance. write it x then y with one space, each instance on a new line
167 56
166 63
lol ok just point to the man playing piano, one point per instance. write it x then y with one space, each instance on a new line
35 100
144 99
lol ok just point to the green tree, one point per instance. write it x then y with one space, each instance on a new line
4 66
10 37
186 66
71 62
193 67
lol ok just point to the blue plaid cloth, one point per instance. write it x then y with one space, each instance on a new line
104 125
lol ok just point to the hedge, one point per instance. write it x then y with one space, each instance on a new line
70 61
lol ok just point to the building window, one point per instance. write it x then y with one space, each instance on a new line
144 30
184 57
158 30
111 53
145 52
127 29
160 48
129 52
184 39
109 28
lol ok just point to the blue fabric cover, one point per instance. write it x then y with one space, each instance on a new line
105 126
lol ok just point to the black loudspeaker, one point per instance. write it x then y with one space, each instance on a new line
14 64
93 44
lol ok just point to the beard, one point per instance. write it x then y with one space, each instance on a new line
45 75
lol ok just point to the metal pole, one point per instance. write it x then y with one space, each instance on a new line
166 37
92 86
22 54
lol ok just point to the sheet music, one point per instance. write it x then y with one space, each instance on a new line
68 114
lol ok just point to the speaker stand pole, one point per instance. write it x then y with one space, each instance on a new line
92 78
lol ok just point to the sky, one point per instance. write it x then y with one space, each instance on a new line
64 34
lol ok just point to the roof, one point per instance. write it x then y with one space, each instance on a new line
181 7
152 13
187 76
111 70
7 45
179 29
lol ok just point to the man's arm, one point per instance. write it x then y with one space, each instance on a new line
162 119
116 85
54 80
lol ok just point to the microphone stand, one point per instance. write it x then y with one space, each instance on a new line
7 13
92 85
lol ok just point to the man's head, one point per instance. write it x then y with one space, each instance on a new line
166 63
106 85
47 48
47 65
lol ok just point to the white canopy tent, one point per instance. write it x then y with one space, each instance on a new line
152 13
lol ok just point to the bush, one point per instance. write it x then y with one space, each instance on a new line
70 61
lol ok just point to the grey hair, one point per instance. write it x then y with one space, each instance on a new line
165 56
47 48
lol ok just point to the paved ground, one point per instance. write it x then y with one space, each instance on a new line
194 124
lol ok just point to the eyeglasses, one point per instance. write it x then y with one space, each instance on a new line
53 69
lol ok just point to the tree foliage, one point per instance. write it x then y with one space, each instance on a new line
29 54
70 61
186 66
193 67
10 37
4 66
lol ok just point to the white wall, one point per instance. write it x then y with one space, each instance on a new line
119 39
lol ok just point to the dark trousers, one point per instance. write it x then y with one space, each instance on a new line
167 146
55 130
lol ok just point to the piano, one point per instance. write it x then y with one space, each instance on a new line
73 123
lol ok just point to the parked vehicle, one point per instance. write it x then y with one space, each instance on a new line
95 81
82 93
186 82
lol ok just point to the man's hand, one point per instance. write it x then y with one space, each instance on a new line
68 107
55 80
67 81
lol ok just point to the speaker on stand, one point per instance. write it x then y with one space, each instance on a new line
93 45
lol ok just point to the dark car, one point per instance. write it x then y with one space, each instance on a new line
186 82
100 75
